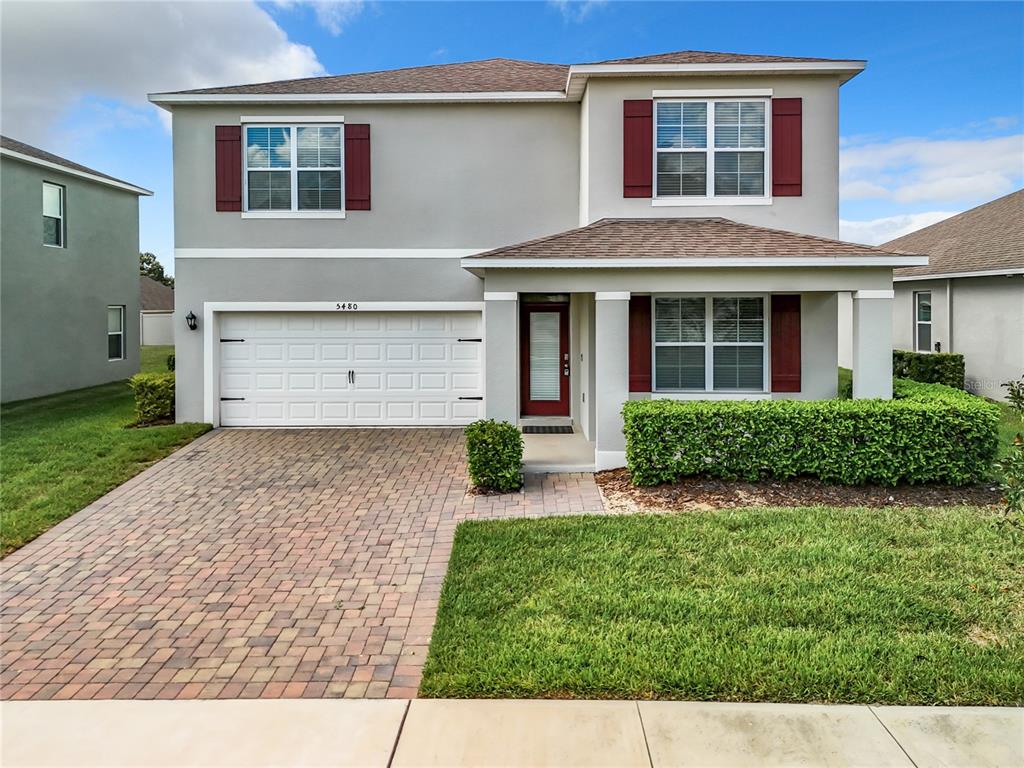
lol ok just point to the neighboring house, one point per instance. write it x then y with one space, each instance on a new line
156 312
516 240
970 297
70 265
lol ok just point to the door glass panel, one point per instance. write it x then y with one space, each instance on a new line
545 356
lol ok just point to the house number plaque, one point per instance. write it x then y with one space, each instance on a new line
346 305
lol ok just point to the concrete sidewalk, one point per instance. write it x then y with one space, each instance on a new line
503 733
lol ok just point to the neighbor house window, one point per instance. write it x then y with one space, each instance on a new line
923 321
710 148
293 168
709 343
115 333
53 215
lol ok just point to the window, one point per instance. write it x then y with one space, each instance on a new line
710 148
115 333
923 321
53 215
293 168
707 343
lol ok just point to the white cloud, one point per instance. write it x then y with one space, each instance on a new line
576 10
916 170
332 15
878 231
55 56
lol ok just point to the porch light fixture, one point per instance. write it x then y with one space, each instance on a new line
191 321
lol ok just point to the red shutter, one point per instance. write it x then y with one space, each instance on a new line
229 167
785 343
639 343
787 147
637 147
357 167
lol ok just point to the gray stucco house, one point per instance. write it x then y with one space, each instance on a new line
524 241
970 297
69 255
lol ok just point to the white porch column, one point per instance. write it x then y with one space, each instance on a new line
611 367
501 356
872 344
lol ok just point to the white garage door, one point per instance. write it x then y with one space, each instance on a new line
304 368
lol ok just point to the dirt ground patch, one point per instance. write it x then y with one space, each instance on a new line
707 493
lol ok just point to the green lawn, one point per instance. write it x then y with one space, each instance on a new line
59 453
154 359
899 606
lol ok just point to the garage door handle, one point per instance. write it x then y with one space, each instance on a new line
231 398
226 340
471 398
351 377
470 339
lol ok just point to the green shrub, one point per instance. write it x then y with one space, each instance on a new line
170 362
929 367
494 452
928 433
154 396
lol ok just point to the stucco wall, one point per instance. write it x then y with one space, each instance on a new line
903 314
815 212
443 176
54 300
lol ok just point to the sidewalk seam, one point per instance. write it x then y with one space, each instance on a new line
643 731
398 734
871 709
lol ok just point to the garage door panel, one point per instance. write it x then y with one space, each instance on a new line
295 369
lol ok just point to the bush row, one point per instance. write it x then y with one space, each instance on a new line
930 368
154 396
927 433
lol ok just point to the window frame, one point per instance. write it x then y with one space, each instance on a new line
121 308
62 219
918 323
709 198
293 169
709 344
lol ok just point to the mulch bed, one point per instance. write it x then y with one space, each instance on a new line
708 493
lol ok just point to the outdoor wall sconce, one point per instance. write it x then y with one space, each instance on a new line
191 321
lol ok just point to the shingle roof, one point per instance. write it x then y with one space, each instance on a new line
989 237
486 76
704 238
154 296
39 154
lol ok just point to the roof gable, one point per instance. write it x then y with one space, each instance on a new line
22 151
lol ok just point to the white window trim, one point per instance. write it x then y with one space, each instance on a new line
63 214
293 169
121 309
919 323
709 392
710 199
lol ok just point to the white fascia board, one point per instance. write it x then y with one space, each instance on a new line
326 253
651 263
74 172
948 275
290 119
167 100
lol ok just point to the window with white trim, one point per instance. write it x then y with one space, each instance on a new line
295 168
53 215
710 148
709 343
115 333
923 321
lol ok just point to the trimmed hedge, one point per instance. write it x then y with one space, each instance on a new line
494 452
928 433
154 396
929 367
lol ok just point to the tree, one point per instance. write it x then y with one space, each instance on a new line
150 267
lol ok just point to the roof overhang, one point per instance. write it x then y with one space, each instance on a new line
797 262
1008 272
115 183
169 100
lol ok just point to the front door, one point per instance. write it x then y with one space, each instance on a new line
544 359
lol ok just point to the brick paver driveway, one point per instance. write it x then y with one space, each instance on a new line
254 563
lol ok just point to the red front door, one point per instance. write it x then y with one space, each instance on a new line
544 359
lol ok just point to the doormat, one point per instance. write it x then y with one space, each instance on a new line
535 429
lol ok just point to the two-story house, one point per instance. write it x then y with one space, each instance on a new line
69 256
518 240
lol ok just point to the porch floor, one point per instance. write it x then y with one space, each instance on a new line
557 453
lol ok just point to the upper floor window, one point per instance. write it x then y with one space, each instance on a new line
53 215
713 148
293 168
923 321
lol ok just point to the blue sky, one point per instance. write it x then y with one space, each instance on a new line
931 128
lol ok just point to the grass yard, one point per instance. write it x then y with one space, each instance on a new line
59 453
898 606
153 359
